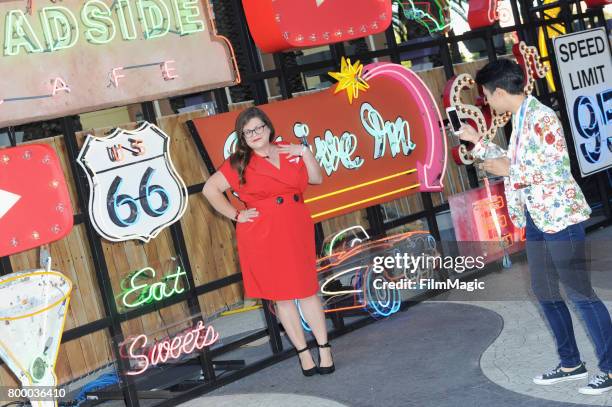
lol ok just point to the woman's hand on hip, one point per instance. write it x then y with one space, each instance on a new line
247 215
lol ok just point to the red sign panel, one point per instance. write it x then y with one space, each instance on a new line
388 143
478 219
278 25
482 13
35 206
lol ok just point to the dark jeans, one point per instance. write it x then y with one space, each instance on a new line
561 256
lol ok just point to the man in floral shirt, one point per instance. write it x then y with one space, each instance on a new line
544 198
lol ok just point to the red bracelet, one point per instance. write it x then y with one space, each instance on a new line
237 214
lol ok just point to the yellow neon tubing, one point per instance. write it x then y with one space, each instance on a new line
365 184
66 296
365 200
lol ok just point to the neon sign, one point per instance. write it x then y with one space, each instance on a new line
278 25
137 294
484 119
486 226
432 14
386 144
60 26
146 355
35 206
136 195
91 43
33 309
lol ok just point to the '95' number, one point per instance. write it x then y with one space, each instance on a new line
589 125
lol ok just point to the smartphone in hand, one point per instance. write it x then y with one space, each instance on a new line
453 117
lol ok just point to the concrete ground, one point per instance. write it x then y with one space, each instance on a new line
455 350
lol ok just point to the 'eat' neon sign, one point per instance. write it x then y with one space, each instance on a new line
148 293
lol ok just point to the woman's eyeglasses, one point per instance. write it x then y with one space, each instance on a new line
257 130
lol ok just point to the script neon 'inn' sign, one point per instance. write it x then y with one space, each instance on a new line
337 151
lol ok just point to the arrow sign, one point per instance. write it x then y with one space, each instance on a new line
35 204
7 201
431 170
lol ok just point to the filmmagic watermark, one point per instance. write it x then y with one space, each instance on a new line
414 268
428 284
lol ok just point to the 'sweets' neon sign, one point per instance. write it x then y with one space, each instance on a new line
145 355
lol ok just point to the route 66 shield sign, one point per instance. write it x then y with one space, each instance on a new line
135 191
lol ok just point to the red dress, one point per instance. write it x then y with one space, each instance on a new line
276 250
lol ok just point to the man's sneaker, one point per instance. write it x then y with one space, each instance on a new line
557 375
598 385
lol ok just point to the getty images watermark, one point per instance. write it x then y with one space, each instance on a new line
415 265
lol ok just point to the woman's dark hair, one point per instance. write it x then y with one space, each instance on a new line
242 156
503 74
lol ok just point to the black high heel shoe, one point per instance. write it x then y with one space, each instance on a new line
306 372
326 369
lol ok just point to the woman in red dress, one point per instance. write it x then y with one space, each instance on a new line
275 233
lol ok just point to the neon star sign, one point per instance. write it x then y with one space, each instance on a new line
350 79
138 293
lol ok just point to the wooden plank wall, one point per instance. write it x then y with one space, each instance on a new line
209 239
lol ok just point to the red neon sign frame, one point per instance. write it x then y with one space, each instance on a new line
278 25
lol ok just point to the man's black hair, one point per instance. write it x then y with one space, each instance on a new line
504 74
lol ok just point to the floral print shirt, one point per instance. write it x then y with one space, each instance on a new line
540 178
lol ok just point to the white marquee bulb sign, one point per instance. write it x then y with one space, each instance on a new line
33 307
135 190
